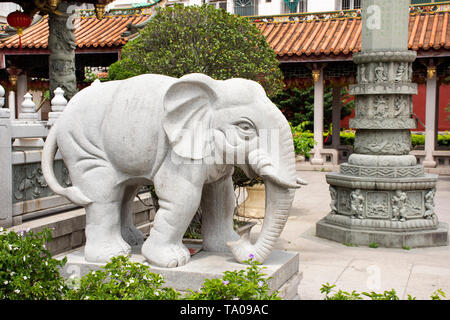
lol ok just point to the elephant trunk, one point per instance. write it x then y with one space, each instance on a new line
278 203
280 184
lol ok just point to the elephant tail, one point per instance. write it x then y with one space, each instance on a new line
73 193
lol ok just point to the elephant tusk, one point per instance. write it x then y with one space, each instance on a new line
268 171
301 181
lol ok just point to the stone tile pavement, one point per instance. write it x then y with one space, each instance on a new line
418 272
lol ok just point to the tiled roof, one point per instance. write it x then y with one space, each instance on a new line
325 38
90 32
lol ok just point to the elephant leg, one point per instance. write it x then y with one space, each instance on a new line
218 204
130 233
103 215
179 199
103 235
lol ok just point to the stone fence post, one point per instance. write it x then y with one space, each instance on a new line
28 116
5 165
59 103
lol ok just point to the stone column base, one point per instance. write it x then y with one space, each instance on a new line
390 239
317 161
429 163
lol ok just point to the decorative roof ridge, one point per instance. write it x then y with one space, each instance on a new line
344 14
142 10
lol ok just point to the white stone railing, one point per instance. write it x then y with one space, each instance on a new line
24 193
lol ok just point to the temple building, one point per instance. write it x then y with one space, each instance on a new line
314 49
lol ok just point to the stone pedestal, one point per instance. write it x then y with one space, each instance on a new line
382 195
282 266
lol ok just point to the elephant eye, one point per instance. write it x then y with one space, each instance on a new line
245 126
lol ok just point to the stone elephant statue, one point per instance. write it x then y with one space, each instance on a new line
184 136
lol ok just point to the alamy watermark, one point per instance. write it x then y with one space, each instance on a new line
212 146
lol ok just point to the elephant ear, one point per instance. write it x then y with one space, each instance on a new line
188 119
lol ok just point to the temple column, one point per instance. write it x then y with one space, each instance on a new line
336 117
12 104
318 116
22 87
61 43
430 117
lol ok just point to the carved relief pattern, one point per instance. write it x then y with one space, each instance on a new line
382 142
383 106
382 172
61 43
344 201
357 204
398 203
29 182
333 203
377 205
414 204
429 204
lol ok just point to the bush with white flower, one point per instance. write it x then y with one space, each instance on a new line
28 272
121 279
27 269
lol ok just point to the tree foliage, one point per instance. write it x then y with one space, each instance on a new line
200 39
298 105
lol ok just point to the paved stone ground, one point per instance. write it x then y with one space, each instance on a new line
418 272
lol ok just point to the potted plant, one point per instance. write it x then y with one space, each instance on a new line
255 203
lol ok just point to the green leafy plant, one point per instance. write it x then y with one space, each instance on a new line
303 139
332 294
438 295
349 244
347 137
386 295
27 269
121 279
327 289
373 245
200 39
248 284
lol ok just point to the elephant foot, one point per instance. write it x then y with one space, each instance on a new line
217 242
104 250
165 255
132 236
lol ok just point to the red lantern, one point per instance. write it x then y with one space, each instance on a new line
20 21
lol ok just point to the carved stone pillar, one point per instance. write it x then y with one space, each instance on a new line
61 43
382 195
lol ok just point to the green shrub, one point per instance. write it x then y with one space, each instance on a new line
303 140
121 279
347 138
444 139
27 269
249 284
339 295
200 39
331 294
417 140
298 105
